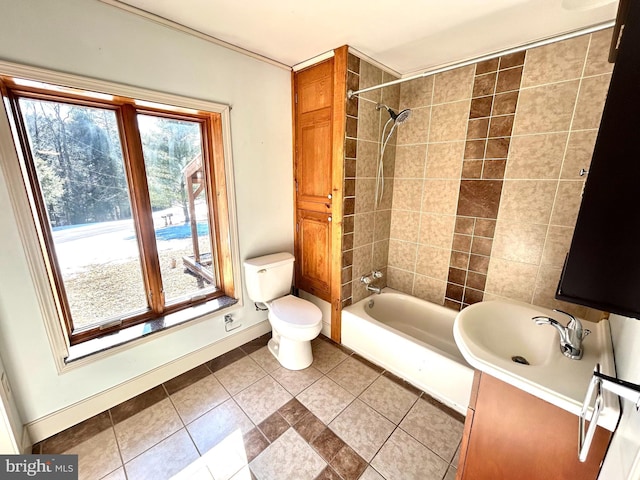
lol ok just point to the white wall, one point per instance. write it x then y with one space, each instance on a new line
625 446
89 38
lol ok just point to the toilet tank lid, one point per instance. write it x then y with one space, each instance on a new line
272 260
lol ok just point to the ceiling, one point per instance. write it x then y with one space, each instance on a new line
407 37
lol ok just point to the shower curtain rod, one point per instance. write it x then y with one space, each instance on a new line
539 43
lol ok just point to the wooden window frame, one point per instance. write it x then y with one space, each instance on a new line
221 218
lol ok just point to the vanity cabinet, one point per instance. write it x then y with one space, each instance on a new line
512 435
602 269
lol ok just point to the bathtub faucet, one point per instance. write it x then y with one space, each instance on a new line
368 281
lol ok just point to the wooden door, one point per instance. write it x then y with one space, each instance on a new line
313 98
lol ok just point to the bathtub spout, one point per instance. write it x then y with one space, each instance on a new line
374 289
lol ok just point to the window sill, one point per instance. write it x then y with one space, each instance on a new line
136 332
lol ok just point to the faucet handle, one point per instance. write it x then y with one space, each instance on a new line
571 317
376 274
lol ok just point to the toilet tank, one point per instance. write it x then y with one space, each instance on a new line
269 277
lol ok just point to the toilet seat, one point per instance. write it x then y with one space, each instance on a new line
294 312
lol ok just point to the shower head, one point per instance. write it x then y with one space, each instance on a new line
398 118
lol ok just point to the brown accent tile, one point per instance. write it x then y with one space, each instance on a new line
459 260
402 383
479 198
353 81
472 296
497 148
350 187
226 359
457 306
349 206
477 128
464 225
509 80
353 63
347 274
327 444
73 436
347 242
457 275
494 169
350 168
348 224
454 291
293 411
347 258
474 149
273 426
309 427
348 463
188 378
480 107
352 127
352 104
476 280
328 474
36 449
481 246
364 361
479 263
501 126
512 60
256 344
472 169
484 85
350 150
254 443
487 66
347 302
461 243
346 290
140 402
505 103
484 228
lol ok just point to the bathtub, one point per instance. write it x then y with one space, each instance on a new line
413 339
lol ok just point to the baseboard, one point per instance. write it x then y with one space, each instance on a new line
64 418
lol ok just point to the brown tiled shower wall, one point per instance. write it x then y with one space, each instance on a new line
484 175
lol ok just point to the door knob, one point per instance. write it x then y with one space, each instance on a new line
329 196
328 219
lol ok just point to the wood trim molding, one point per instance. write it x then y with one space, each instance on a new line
339 129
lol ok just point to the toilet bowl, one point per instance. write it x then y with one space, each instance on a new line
294 321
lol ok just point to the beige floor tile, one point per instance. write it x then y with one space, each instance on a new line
353 375
239 375
275 463
146 428
389 399
228 457
265 359
404 457
451 474
116 475
244 474
199 398
362 428
434 429
97 456
325 399
296 381
326 356
371 474
174 457
213 427
262 399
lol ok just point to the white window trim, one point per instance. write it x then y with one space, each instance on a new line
18 193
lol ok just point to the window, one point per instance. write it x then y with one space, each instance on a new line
129 200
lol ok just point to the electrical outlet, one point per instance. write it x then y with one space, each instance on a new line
5 383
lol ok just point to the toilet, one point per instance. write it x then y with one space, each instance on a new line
294 321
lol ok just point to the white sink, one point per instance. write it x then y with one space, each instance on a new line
492 334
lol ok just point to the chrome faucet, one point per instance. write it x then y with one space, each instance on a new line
368 279
571 336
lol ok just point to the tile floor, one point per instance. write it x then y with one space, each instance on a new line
242 416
